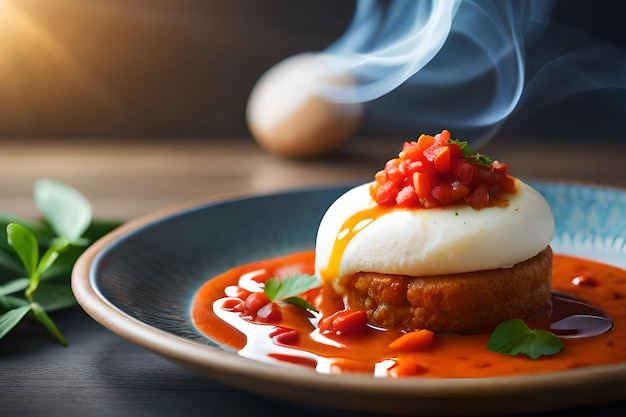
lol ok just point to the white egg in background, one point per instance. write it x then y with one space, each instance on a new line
288 115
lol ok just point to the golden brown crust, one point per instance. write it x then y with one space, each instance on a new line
456 303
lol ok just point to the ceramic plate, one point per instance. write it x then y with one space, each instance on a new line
139 282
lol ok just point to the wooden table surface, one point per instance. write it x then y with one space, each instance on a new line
103 374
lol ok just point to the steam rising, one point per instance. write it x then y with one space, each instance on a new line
463 65
385 48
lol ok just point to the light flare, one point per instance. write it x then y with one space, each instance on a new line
25 38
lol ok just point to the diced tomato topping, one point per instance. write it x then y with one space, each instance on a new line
424 142
278 330
508 185
459 190
444 136
464 172
344 322
499 166
434 171
420 339
254 302
443 193
443 159
269 313
422 184
406 197
258 307
393 171
479 198
291 337
352 322
381 176
386 194
285 336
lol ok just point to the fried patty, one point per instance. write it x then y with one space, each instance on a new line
455 303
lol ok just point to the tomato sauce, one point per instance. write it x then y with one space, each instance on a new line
589 304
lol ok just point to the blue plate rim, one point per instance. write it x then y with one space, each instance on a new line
227 367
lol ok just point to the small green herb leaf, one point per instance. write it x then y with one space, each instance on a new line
9 302
13 286
271 288
288 289
10 319
470 155
479 158
25 244
467 151
290 286
63 264
58 245
65 209
514 336
300 302
41 231
63 235
43 318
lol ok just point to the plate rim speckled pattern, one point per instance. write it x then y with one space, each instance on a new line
411 396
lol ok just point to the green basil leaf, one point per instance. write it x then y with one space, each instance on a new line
300 302
47 260
514 336
25 244
470 155
39 229
47 322
293 285
10 319
11 287
67 229
8 302
64 208
50 256
298 284
271 288
42 232
63 264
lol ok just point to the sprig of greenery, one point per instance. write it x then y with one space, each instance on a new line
31 285
288 289
470 155
514 336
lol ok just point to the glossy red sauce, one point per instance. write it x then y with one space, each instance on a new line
586 293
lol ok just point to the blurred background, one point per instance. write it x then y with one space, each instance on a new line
184 68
